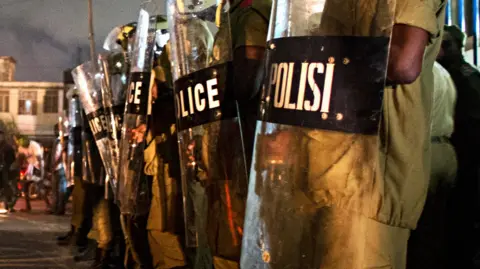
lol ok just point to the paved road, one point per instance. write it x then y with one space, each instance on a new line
27 240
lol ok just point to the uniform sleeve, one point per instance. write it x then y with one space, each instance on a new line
252 31
420 13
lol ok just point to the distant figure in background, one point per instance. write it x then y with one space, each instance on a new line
465 203
59 181
7 179
36 168
427 246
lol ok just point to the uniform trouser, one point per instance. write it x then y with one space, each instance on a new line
301 218
78 200
103 214
333 238
427 246
202 257
103 224
59 188
136 236
166 250
165 227
90 200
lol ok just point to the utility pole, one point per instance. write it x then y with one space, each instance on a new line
91 35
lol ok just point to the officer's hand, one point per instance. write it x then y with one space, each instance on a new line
278 146
138 134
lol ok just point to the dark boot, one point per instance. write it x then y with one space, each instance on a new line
85 252
102 260
65 240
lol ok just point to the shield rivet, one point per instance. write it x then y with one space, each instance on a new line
324 116
346 61
272 46
339 116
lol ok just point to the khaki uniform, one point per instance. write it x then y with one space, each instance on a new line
383 181
163 224
248 28
78 195
165 244
360 195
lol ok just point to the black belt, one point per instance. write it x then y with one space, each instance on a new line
440 139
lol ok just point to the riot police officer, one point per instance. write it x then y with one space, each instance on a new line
211 154
336 189
249 24
165 222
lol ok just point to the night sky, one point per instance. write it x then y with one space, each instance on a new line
48 36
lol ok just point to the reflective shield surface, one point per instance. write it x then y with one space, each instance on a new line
133 191
212 161
91 82
113 66
74 147
316 142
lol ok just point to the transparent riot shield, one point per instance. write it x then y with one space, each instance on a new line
214 177
113 66
312 180
133 191
63 141
74 147
91 83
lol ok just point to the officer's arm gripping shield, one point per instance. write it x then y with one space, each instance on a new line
316 140
90 81
214 179
133 191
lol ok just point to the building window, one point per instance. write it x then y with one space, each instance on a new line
4 101
27 103
50 102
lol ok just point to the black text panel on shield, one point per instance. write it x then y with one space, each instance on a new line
204 96
138 93
329 83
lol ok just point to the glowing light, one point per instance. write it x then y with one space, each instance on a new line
28 105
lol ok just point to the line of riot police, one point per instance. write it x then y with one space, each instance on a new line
235 134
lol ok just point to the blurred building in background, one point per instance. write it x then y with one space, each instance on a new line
33 107
7 68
